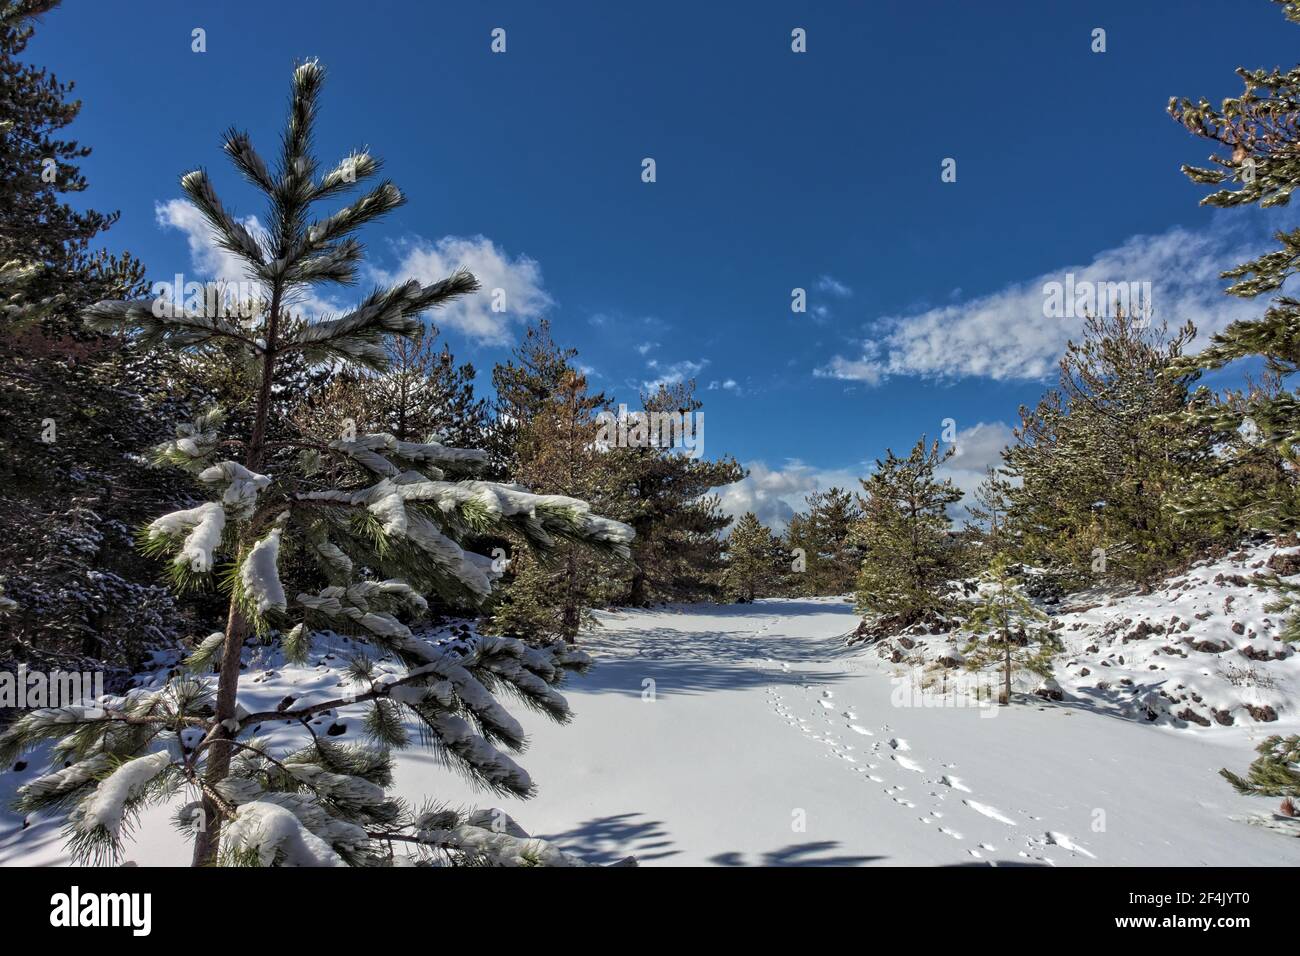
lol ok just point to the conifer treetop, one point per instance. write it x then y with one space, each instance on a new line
302 550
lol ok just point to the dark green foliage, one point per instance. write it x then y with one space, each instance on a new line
756 561
1007 630
75 406
677 553
909 556
821 539
352 546
551 595
1274 773
1258 163
1100 475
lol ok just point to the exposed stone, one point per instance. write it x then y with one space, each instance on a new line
1049 689
1284 564
1262 712
1193 717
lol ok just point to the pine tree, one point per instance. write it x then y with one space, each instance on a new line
1262 168
908 556
44 241
755 561
552 595
422 395
823 536
524 384
425 395
1102 466
294 554
988 511
1008 630
677 554
74 405
1255 484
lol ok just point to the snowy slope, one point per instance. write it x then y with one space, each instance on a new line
750 735
1201 650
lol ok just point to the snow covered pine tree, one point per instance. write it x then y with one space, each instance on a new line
363 552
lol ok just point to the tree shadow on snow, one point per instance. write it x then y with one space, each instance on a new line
682 661
1110 703
797 854
608 839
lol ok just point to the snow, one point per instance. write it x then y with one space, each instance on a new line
202 527
269 828
699 738
242 485
261 576
1201 650
107 803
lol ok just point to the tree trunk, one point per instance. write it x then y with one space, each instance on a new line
637 589
1006 673
208 841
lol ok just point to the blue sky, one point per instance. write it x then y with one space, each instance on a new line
775 170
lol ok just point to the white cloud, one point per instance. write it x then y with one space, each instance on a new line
854 370
211 263
206 257
774 494
520 279
1005 336
646 347
978 448
833 286
730 385
671 373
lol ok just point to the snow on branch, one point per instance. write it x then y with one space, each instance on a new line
275 834
372 451
106 806
493 836
241 486
201 526
194 444
260 574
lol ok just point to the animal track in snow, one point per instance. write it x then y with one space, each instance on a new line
954 782
860 730
898 743
991 812
908 764
1065 843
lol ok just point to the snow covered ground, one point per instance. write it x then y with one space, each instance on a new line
748 735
